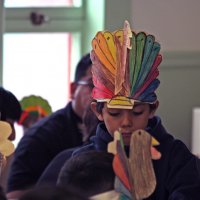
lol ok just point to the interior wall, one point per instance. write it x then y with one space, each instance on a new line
174 23
116 11
176 26
178 93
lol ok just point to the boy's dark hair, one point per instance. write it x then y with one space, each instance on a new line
89 173
100 106
9 105
82 67
51 193
2 194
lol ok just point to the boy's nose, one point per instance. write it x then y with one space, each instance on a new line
127 120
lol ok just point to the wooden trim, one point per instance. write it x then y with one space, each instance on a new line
59 19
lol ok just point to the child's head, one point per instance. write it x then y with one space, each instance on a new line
125 71
89 173
34 108
125 120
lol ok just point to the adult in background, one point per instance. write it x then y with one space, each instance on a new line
51 135
51 172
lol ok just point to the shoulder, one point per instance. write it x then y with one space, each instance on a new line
84 148
157 130
180 150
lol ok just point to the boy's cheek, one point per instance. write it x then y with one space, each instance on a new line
111 132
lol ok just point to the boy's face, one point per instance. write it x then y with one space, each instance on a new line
125 120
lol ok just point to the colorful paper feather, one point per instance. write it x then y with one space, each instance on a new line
135 175
126 63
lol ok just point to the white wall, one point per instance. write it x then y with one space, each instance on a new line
175 22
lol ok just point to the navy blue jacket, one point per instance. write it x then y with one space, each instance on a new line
177 172
41 144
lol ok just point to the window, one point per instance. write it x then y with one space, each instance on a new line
38 57
42 43
42 3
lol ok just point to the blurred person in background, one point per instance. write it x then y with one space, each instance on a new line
34 108
61 130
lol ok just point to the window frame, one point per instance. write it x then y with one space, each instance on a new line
86 20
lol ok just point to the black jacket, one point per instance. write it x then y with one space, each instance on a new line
177 172
40 144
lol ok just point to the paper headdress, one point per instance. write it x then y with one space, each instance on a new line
34 107
125 67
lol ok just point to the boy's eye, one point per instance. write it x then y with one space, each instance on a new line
137 113
113 113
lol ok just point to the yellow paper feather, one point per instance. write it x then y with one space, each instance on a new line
111 44
119 34
104 47
100 54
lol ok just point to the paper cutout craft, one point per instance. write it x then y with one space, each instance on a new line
135 175
6 146
125 67
144 180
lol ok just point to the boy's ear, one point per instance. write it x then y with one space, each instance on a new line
153 108
94 109
73 87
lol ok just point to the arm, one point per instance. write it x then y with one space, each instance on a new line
50 174
30 159
183 179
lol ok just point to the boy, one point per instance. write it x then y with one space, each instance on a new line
125 71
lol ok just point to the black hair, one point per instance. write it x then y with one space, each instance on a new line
82 67
99 106
2 193
51 193
90 122
9 105
90 173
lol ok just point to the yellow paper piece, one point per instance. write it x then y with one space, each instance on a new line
6 146
121 102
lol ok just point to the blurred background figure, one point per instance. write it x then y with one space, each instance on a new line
89 173
63 129
34 108
51 193
50 174
10 112
2 194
